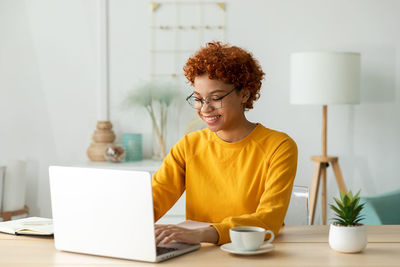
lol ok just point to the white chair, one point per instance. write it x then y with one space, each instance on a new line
298 211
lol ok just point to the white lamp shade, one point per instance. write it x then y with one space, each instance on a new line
324 78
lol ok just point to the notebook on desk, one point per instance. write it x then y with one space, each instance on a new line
108 213
28 226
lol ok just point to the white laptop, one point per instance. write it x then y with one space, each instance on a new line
108 213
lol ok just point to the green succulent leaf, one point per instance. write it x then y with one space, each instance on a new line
338 211
358 193
339 203
341 195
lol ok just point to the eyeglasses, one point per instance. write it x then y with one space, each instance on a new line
212 101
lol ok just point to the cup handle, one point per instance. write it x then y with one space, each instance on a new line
271 238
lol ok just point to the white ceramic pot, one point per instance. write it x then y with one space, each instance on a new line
347 239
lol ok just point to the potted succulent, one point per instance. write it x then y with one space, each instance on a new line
346 233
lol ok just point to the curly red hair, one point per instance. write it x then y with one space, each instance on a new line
230 64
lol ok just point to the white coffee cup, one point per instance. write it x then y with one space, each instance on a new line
248 238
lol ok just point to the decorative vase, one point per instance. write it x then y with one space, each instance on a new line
132 142
159 145
102 136
347 239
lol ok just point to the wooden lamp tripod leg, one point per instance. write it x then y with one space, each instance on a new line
339 176
323 193
320 166
314 191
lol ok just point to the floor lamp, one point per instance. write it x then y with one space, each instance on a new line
324 78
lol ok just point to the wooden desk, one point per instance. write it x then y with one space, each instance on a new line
295 246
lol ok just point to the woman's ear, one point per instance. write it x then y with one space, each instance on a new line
245 95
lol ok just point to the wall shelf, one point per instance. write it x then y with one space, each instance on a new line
178 29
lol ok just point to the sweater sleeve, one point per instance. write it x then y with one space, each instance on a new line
168 182
274 201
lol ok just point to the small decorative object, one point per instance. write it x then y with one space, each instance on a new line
156 97
132 142
114 153
102 136
346 234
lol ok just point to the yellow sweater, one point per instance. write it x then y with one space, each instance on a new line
248 182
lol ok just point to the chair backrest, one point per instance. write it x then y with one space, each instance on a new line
298 211
381 209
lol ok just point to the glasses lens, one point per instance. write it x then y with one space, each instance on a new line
194 102
215 104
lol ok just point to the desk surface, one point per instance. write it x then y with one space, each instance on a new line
294 246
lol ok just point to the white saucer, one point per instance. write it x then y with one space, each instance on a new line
263 249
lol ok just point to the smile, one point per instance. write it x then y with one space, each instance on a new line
211 118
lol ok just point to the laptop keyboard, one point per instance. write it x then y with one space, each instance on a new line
163 250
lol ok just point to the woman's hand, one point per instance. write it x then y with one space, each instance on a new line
168 233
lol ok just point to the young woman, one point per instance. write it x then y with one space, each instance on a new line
235 172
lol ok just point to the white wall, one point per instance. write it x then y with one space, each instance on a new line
48 81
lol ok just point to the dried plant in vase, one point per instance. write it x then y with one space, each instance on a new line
346 233
156 97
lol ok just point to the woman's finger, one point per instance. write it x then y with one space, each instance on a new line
160 228
170 238
168 233
165 227
163 234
